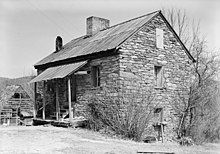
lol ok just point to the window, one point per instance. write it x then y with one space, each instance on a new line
50 86
16 95
159 38
158 115
158 71
96 76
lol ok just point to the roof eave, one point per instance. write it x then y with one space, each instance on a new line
78 58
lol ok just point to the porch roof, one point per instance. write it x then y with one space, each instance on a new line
58 71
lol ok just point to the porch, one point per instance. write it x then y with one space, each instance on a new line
58 91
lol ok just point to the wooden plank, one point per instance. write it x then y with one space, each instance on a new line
152 152
161 124
81 72
69 100
35 99
44 101
57 101
18 99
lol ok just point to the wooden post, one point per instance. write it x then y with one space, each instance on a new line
69 100
74 94
44 100
35 99
57 102
0 113
161 124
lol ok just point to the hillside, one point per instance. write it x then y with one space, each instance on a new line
4 82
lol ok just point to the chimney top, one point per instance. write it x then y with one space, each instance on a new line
59 43
96 24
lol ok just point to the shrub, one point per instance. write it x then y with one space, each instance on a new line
186 141
125 115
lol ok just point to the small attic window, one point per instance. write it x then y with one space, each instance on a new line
16 95
159 38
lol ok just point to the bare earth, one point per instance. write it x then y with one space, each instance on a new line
54 140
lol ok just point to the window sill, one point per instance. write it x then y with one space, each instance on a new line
159 88
96 88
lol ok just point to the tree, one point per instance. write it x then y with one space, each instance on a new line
198 109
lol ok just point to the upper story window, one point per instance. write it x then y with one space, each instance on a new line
96 76
158 71
159 38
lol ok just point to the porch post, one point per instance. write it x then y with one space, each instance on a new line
69 100
35 99
161 125
57 101
44 101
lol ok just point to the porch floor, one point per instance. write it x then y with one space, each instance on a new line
38 121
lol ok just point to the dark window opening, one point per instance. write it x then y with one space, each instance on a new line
50 86
96 76
158 76
16 95
158 114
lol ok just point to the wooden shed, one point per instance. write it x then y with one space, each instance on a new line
16 100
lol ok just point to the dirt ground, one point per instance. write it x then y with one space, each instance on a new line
55 140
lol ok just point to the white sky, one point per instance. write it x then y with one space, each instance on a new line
28 28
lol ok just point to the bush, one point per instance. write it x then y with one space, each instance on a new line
128 119
186 141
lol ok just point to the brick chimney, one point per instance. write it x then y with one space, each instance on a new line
95 24
59 43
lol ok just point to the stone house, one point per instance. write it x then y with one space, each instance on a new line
145 49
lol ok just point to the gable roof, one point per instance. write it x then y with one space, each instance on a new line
109 38
9 91
29 89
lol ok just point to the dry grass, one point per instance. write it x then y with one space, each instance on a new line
39 139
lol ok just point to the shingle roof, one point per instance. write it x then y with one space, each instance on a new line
106 39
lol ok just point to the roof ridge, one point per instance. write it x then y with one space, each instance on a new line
131 20
83 40
87 36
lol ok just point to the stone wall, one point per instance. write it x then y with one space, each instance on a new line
133 72
138 57
109 70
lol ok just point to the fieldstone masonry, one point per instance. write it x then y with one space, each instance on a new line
135 63
139 55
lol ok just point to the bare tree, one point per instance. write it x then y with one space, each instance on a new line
203 88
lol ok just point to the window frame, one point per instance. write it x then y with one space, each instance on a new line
158 114
159 79
96 78
159 38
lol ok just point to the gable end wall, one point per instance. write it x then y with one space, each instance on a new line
138 57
